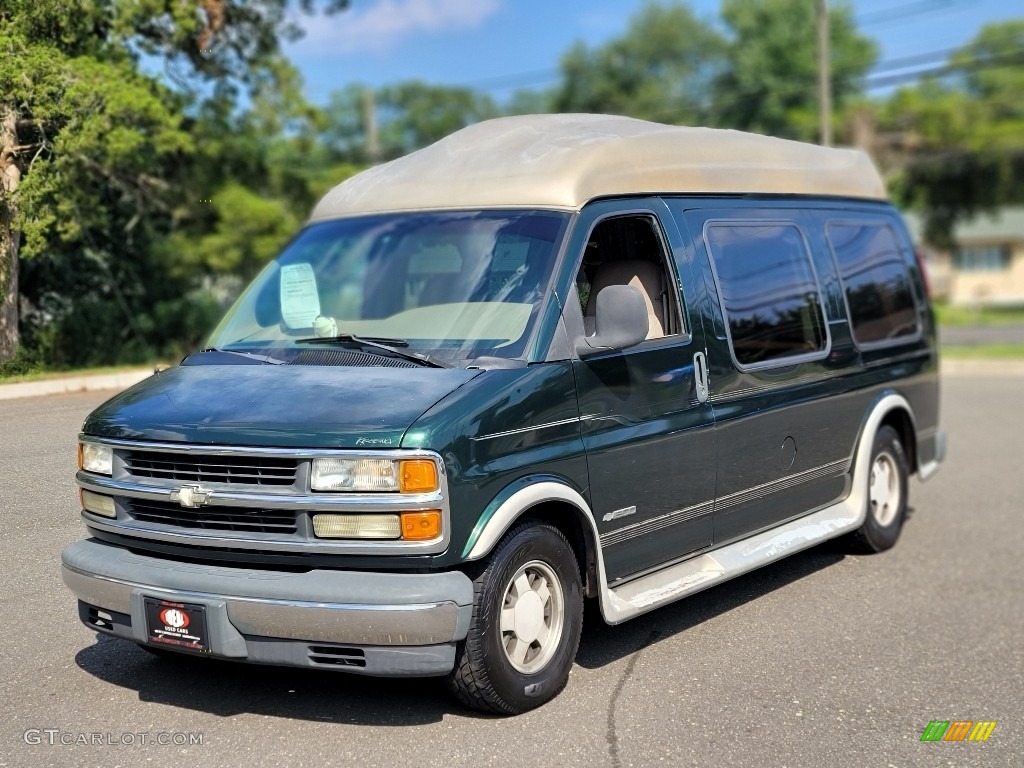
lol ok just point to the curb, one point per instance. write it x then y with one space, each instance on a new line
125 379
68 384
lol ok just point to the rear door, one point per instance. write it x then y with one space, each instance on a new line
785 423
648 431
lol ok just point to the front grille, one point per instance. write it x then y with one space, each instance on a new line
214 518
244 470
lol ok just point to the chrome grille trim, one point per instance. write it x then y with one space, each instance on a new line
319 502
193 468
233 498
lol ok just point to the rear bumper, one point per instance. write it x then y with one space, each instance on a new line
369 623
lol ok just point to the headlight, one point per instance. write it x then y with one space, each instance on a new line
93 457
369 475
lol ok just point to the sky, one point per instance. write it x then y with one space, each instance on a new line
498 46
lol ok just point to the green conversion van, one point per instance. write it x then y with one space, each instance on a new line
546 362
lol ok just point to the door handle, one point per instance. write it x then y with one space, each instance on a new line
700 374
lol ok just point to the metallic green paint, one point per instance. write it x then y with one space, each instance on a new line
275 405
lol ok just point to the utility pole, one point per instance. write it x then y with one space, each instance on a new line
824 76
370 125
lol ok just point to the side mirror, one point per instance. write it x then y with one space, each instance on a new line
621 321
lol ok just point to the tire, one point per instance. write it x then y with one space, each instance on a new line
504 665
887 495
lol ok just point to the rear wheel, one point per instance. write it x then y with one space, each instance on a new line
527 617
887 495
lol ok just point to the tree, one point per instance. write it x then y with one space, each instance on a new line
661 69
414 114
79 123
408 116
957 138
770 83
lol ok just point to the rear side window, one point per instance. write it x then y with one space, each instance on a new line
769 291
875 281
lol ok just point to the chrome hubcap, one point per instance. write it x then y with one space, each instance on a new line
884 492
532 617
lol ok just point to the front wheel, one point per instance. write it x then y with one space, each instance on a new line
527 618
887 495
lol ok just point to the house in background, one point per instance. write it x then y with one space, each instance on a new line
987 264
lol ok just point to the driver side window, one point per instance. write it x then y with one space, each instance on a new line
629 250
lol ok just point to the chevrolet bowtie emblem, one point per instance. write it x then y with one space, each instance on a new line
190 496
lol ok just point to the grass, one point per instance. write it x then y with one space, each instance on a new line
961 316
39 375
984 352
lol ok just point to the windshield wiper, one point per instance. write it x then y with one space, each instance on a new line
259 358
377 343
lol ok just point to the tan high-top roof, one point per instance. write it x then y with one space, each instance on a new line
563 161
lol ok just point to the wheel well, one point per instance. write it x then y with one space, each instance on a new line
900 420
569 520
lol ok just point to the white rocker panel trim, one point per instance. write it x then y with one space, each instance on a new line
698 573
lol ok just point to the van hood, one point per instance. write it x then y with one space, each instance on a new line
276 405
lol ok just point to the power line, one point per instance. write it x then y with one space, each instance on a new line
1008 58
918 58
533 77
907 11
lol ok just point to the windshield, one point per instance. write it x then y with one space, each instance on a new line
452 286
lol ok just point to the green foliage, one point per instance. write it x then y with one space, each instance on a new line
114 163
414 114
409 115
25 362
770 83
958 315
248 233
112 130
962 147
662 69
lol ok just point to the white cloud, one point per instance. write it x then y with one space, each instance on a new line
385 23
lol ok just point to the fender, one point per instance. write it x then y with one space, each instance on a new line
513 501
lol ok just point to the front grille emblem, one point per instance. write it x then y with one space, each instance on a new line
190 496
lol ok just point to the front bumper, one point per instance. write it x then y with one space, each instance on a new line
368 623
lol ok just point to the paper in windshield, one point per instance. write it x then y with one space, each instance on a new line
300 302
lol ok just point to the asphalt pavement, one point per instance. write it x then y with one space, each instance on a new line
824 659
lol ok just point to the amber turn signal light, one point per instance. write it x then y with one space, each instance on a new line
417 476
421 526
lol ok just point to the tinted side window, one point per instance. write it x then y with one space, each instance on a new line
875 281
769 291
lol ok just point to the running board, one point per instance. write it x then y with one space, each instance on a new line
699 573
